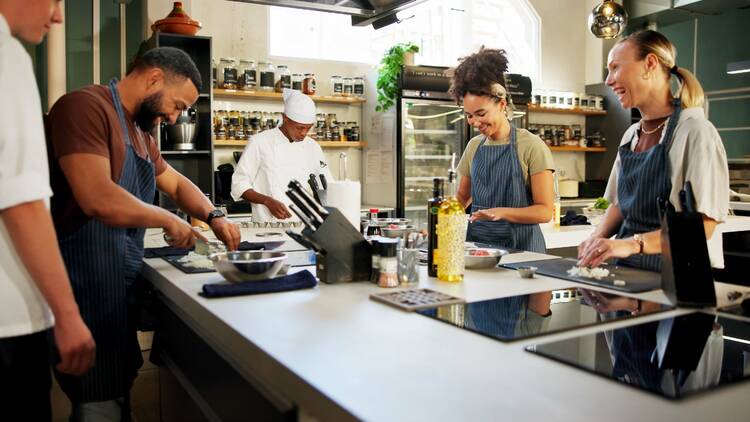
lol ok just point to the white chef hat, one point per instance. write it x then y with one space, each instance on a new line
298 106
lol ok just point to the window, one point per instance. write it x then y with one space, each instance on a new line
444 29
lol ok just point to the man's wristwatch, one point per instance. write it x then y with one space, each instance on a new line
639 238
214 214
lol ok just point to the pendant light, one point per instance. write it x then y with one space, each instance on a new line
608 19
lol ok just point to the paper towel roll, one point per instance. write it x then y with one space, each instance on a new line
345 195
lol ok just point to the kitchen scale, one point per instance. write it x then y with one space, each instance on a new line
673 357
517 317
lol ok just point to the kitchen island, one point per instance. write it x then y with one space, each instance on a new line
332 353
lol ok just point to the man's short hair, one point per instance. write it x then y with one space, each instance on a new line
171 60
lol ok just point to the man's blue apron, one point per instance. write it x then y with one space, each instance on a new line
497 181
102 262
644 177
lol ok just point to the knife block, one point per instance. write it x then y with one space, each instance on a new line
347 255
687 278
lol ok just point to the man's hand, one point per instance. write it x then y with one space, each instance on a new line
277 208
179 233
75 345
227 232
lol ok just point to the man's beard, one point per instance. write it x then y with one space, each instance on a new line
149 112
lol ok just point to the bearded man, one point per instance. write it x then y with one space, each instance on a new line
105 168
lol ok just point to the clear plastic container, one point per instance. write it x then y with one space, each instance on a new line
285 78
228 73
337 86
267 76
348 87
248 75
308 84
297 79
359 87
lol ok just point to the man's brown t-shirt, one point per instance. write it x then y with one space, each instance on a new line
85 121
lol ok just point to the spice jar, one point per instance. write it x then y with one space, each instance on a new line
348 87
359 87
228 73
375 240
285 78
267 75
297 81
337 86
388 264
354 132
248 75
308 84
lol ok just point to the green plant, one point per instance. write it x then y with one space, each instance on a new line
390 68
601 204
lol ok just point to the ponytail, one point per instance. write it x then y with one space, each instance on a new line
690 91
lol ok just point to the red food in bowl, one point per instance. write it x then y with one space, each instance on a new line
478 252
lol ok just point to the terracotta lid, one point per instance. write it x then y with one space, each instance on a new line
177 18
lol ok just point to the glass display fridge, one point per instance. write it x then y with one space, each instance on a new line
430 129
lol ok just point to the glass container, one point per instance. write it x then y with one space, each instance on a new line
267 75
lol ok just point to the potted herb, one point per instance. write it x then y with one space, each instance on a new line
390 68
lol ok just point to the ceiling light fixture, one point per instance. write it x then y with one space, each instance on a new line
608 20
738 67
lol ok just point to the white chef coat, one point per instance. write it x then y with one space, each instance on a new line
697 154
269 162
24 177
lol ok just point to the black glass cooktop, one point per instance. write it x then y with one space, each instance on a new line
673 357
517 317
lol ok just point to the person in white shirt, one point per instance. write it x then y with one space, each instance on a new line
672 144
274 157
35 291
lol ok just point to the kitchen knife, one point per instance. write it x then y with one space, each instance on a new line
323 181
305 219
314 218
296 187
304 241
313 181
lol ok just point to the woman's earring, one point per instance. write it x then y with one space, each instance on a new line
646 75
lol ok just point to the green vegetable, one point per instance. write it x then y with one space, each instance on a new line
601 204
388 73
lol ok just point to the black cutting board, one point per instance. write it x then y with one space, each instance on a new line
636 281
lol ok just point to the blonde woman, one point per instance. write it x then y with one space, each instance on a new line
673 143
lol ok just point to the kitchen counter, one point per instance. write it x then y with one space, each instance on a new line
570 236
338 355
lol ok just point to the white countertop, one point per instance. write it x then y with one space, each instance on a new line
739 206
340 355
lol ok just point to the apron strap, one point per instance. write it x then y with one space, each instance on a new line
121 116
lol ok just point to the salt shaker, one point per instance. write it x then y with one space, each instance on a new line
408 260
388 276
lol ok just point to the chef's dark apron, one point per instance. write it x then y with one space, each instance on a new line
644 177
497 181
103 262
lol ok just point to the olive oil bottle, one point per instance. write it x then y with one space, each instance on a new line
433 206
451 231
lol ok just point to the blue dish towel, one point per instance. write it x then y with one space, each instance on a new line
299 280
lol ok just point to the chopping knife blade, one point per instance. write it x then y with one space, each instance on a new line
296 187
305 219
304 241
313 181
323 181
305 208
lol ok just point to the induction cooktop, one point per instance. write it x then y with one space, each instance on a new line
673 357
524 316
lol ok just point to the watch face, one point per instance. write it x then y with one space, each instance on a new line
217 213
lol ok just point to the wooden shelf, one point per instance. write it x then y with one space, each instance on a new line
578 149
276 96
325 144
536 109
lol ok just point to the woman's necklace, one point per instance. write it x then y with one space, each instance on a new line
654 130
